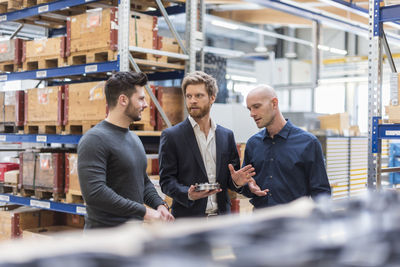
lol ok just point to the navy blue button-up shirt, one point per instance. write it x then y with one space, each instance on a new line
290 165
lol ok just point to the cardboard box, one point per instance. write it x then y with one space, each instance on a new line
338 122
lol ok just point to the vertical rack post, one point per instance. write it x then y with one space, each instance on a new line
124 8
374 91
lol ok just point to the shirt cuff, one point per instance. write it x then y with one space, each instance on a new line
237 186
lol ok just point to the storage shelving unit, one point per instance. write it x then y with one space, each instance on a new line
121 64
378 131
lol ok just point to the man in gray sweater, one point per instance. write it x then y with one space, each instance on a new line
112 161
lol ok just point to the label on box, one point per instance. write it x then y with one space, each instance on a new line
91 68
40 204
5 198
42 9
3 78
3 138
41 138
392 133
41 74
3 18
81 210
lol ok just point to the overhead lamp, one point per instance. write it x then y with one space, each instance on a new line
225 24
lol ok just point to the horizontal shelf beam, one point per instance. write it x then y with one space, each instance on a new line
41 9
40 138
145 136
172 10
62 71
44 204
390 13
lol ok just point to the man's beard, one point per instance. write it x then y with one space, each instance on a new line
199 113
131 113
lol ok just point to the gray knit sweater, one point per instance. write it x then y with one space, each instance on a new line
112 173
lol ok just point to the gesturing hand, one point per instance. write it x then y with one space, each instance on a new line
242 176
193 195
255 189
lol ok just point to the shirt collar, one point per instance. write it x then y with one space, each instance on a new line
284 132
194 123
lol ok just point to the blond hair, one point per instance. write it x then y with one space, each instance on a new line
199 77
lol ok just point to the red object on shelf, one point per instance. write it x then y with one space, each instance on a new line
235 208
5 167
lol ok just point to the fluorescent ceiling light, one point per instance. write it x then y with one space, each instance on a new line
342 80
225 24
237 26
323 47
241 78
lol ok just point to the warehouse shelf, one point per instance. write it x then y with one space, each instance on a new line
78 209
377 41
148 137
62 71
40 138
41 9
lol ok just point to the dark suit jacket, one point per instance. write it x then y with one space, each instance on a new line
181 165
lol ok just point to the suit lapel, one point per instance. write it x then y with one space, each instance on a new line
218 143
192 142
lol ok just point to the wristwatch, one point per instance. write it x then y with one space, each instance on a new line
165 204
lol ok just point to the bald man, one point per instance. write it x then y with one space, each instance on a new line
288 161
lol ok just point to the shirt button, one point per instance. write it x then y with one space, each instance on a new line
270 177
272 159
273 143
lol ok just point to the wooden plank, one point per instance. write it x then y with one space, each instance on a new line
164 65
42 105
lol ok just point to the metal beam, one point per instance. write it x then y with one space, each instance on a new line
16 31
388 53
150 92
171 27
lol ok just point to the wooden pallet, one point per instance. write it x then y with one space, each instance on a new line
9 66
74 197
10 5
79 127
9 188
30 3
150 65
40 193
10 127
43 128
36 63
92 56
141 126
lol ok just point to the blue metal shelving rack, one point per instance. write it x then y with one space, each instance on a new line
84 69
377 39
44 204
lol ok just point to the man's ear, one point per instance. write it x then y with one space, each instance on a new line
123 100
275 102
212 99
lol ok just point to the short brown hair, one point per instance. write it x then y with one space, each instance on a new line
123 83
199 77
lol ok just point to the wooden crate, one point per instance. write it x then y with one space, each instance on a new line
12 108
44 110
11 51
393 113
11 177
14 219
152 166
42 174
85 106
338 122
44 53
10 5
93 36
171 100
47 232
72 187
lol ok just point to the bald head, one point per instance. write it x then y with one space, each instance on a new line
262 92
263 105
